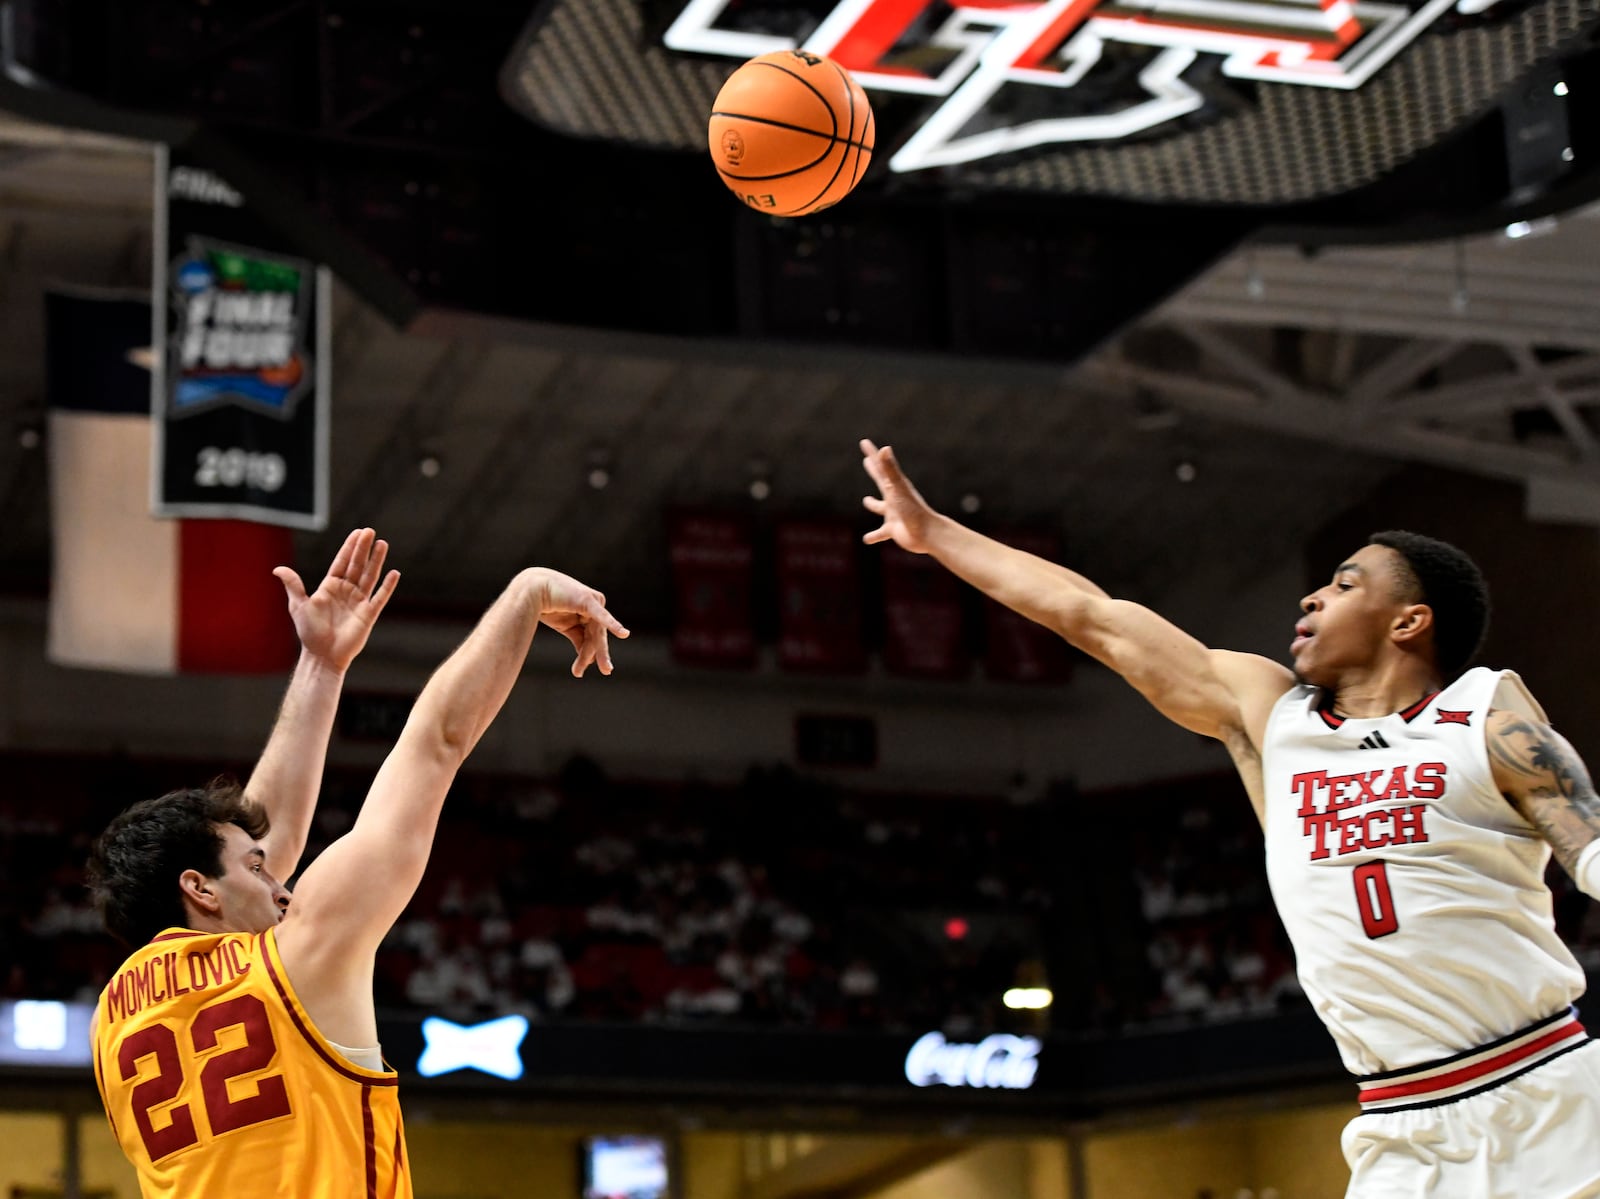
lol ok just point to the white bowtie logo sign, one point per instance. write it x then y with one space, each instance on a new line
495 1047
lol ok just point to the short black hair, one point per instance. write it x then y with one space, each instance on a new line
1449 582
134 865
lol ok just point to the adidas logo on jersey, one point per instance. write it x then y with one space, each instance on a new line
1374 740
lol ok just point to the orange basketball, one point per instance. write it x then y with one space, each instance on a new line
791 133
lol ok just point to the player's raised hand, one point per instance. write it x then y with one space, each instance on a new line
578 612
906 515
334 621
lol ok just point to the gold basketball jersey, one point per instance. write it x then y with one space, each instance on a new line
216 1082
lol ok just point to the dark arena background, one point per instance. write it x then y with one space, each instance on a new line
849 884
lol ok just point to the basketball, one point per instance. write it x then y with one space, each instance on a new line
791 133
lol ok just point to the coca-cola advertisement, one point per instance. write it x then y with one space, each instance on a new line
922 617
1018 650
711 556
819 596
999 1061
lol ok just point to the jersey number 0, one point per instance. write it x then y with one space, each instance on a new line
223 1112
1374 900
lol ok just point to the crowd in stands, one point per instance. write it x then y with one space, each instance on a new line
1214 948
773 902
779 901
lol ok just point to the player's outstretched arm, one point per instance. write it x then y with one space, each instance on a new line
1543 777
357 888
333 624
1217 693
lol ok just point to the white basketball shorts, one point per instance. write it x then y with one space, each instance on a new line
1534 1136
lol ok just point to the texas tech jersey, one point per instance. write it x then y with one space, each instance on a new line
1413 892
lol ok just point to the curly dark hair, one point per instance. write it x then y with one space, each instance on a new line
1450 583
134 865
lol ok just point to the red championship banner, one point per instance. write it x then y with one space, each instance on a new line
1018 650
819 596
711 572
922 617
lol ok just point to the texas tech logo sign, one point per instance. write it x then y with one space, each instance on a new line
1015 74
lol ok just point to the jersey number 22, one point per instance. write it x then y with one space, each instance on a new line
223 1112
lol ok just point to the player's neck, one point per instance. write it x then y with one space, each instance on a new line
1390 687
202 922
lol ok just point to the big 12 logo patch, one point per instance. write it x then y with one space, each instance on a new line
967 51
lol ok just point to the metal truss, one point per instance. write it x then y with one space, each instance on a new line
1480 355
1519 412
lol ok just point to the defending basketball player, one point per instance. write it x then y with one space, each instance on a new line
1410 810
236 1050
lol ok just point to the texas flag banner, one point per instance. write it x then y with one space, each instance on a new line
128 591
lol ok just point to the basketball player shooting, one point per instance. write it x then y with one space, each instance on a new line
236 1050
1410 810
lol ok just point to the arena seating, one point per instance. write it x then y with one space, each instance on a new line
780 900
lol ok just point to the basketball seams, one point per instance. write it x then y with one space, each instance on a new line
801 170
801 210
744 116
851 90
861 167
850 95
816 204
788 139
810 87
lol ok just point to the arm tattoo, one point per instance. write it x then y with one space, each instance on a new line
1547 782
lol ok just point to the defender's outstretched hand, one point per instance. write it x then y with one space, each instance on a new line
906 515
334 621
578 613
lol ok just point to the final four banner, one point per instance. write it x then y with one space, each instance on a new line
241 378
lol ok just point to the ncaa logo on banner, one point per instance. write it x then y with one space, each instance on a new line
242 333
964 52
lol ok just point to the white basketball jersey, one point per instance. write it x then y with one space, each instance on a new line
1412 891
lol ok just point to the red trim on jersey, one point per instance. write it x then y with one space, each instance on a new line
1415 709
178 936
370 1150
1333 720
294 1016
1325 710
1490 1065
399 1153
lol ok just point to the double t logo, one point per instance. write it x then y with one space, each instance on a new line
970 49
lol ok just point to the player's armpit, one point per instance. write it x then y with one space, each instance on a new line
1544 779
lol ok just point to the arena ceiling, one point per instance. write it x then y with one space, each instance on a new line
1256 102
1291 383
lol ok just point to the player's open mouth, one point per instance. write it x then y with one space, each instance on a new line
1302 634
